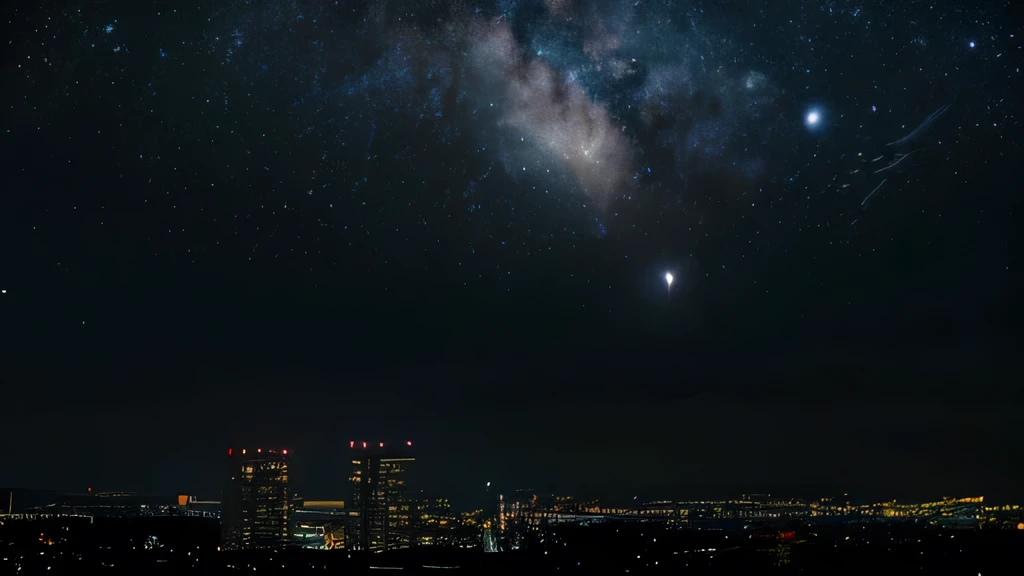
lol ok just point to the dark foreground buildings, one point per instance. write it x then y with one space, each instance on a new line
176 545
255 504
380 479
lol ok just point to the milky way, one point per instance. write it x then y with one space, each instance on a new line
556 85
555 113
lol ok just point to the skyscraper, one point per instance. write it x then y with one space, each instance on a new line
380 480
255 507
491 534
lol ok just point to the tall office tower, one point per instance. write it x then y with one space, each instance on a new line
491 534
381 495
255 506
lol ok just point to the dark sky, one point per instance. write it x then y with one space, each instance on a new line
296 223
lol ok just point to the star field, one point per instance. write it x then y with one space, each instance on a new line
417 134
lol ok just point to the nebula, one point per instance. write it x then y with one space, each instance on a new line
554 112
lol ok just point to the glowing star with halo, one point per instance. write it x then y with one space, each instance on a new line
813 117
668 279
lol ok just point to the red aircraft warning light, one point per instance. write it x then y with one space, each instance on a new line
285 452
229 451
364 444
352 444
408 442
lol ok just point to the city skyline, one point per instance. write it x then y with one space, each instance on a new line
256 515
386 512
752 533
474 499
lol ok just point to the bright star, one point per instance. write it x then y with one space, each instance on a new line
812 118
668 279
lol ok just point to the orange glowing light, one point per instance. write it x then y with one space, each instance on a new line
182 499
259 450
1020 526
243 451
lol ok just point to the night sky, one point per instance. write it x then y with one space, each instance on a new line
293 224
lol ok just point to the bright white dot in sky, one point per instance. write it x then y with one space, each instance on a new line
971 44
812 118
668 279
